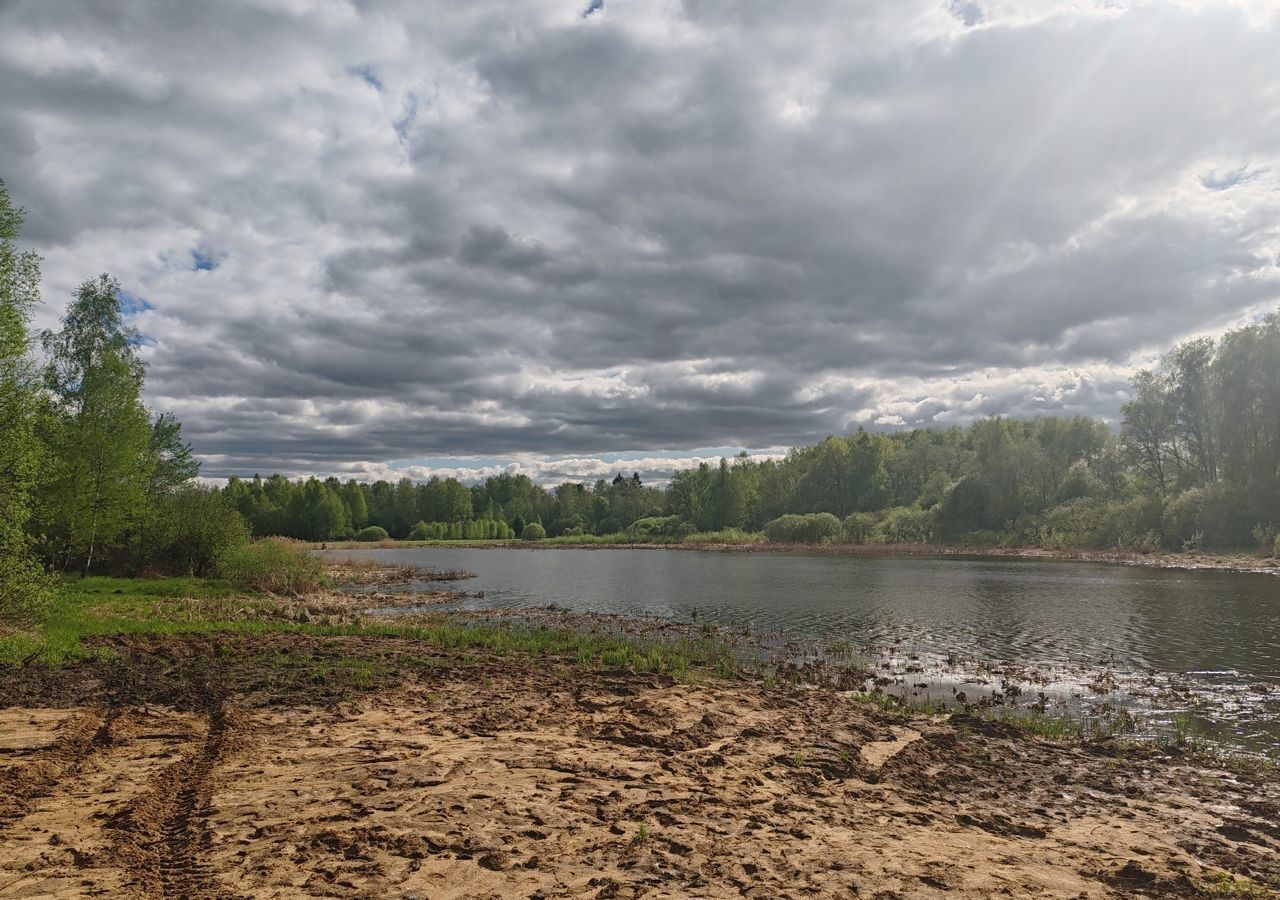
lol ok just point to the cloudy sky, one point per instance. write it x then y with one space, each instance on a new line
366 237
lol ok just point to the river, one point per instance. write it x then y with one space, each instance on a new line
1177 642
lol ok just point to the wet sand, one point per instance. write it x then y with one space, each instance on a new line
289 766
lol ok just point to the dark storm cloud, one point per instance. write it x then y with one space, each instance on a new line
360 233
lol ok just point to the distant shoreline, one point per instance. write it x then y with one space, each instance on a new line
1205 562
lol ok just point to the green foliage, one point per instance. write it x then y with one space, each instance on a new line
858 527
273 565
26 593
193 530
372 534
655 526
723 536
968 505
904 525
101 443
533 532
1266 538
814 528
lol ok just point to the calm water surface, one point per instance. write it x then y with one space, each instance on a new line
1221 629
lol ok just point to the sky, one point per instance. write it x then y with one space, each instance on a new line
570 238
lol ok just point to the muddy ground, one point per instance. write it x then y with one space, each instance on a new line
291 766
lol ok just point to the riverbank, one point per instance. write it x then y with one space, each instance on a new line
280 766
1194 561
199 743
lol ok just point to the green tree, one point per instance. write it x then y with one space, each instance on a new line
98 433
25 590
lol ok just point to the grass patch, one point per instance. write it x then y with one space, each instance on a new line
888 703
1223 884
274 565
102 607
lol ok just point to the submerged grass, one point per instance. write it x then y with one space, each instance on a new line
103 607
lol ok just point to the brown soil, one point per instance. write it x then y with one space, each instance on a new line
270 767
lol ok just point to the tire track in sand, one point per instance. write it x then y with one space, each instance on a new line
162 833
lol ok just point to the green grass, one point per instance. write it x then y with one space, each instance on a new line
1223 884
100 607
888 703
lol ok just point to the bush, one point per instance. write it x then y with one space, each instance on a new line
274 565
1071 525
372 534
968 505
193 531
27 592
609 525
814 528
685 530
422 532
1131 524
904 525
984 538
858 527
655 526
1266 538
1182 518
723 536
1228 514
533 532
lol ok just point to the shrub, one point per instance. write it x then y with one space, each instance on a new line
1182 518
1072 524
984 538
968 505
609 525
372 534
1266 538
814 528
422 532
1228 515
723 536
655 526
685 530
274 565
533 532
858 527
904 525
195 528
1131 524
27 593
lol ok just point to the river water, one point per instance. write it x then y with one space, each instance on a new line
1205 644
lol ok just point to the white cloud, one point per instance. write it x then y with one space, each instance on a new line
443 230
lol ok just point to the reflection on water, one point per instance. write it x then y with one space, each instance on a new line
1222 629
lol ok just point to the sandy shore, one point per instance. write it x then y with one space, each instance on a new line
287 766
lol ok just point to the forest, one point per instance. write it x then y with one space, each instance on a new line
91 480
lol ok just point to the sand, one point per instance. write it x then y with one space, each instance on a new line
488 778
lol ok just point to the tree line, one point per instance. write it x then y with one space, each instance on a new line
1195 465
